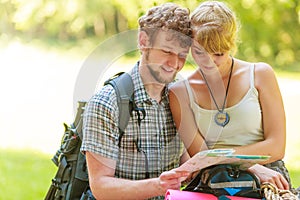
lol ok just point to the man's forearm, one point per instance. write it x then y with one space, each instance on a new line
116 188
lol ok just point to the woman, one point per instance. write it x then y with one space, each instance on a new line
227 102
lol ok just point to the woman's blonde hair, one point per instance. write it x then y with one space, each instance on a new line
215 27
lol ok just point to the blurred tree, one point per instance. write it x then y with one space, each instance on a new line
269 29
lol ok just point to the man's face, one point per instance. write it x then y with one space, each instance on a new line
165 57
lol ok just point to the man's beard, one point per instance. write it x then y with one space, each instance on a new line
158 77
156 74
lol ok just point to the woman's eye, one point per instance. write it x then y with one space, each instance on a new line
219 54
199 52
182 56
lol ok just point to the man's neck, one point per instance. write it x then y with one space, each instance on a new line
155 90
152 86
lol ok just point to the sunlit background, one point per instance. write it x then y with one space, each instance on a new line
43 44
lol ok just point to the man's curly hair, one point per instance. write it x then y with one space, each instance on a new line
167 17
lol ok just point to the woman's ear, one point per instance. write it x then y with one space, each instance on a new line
143 41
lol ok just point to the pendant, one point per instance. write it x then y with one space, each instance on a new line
222 118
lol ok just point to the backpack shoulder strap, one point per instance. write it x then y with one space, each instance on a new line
76 126
123 85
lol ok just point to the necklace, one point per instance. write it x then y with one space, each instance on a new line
221 118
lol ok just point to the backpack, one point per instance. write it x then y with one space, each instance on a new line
225 179
71 179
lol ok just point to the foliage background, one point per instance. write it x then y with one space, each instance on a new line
37 83
269 28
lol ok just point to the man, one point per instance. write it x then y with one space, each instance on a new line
141 167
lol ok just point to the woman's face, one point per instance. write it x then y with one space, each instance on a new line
208 61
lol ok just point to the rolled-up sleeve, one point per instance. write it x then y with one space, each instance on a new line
100 124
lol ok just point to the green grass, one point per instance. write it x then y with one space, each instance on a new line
293 166
295 176
25 174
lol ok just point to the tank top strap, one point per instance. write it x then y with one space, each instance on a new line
189 91
252 75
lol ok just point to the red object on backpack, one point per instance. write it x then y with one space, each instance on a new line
179 195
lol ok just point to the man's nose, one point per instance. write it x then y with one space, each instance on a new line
173 60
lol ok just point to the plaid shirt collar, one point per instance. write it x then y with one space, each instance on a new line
140 94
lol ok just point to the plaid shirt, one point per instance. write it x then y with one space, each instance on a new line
156 135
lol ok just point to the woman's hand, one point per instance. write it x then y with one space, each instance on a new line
268 175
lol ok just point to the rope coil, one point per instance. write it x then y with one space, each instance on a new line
271 192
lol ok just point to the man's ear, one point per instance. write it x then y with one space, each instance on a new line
143 41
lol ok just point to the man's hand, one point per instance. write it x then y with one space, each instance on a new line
171 180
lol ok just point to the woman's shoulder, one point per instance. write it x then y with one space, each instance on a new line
263 67
177 85
263 71
179 90
257 65
264 74
260 68
191 79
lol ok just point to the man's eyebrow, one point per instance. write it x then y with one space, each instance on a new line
184 52
167 47
172 49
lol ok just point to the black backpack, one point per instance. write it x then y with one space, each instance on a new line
226 179
71 179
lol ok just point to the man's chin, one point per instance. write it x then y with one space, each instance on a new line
167 80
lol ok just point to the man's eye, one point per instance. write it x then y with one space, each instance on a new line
166 51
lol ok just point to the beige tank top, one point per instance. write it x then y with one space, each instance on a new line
244 127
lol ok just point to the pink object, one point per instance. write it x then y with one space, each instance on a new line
182 195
